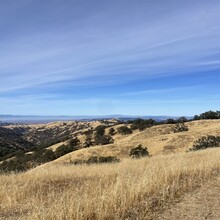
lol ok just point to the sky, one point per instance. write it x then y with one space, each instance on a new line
101 57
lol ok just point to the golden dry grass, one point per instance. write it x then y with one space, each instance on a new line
158 139
132 189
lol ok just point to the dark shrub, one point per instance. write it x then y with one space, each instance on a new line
137 123
196 117
64 149
12 165
124 130
138 152
77 162
180 127
48 155
100 130
182 119
108 159
112 131
88 132
74 142
142 124
87 143
103 139
93 159
209 141
5 150
134 127
170 121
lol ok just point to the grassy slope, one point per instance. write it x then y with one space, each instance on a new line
203 203
158 139
132 189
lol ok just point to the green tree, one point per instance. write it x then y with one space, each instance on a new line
124 130
65 149
100 130
112 131
138 152
170 121
103 139
208 115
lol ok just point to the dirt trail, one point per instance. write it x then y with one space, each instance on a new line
201 204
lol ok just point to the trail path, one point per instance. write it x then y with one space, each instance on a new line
201 204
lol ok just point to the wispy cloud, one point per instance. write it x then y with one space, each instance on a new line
162 91
68 46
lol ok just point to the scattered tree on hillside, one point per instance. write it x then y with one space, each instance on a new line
208 115
138 152
182 120
124 130
112 131
103 139
141 124
65 149
100 130
170 121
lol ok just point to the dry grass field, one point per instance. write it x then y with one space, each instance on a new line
131 189
158 139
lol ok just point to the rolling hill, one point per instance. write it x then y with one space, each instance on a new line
158 139
155 187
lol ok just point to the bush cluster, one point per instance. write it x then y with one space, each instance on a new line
124 130
180 127
88 140
11 152
100 130
5 151
139 152
64 149
97 159
142 124
98 137
205 142
103 139
23 161
179 120
112 131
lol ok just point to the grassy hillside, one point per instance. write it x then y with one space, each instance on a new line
158 139
131 189
22 137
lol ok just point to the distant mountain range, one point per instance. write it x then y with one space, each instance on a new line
44 119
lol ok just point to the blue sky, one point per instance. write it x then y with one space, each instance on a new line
100 57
